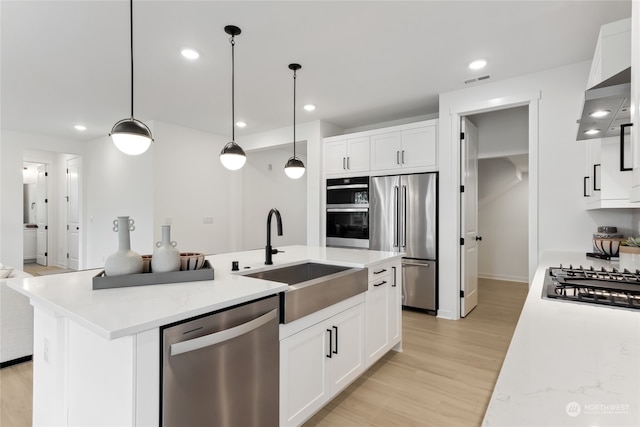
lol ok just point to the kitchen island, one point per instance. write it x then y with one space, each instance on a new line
96 352
569 364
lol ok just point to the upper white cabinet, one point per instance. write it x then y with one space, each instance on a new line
410 148
635 100
347 155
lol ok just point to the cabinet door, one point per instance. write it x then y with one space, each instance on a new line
303 369
395 305
335 155
377 321
385 151
347 352
419 147
358 155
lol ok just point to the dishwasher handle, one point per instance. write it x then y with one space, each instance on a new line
222 336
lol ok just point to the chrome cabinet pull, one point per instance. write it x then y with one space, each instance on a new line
403 157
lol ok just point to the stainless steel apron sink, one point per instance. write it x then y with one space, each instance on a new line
314 286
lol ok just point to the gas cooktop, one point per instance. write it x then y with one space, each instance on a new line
613 288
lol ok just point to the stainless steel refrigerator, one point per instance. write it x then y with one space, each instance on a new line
403 218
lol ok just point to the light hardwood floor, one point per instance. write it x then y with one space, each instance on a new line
443 377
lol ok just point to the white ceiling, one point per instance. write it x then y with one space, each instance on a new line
67 62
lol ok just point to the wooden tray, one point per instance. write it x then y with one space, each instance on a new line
101 281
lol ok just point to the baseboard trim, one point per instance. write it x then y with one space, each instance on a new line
15 361
505 278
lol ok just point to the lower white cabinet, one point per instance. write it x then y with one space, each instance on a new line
383 310
318 362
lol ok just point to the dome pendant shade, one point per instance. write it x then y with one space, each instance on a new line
294 168
131 136
232 156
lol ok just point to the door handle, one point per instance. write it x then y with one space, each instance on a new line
478 238
394 277
594 176
348 166
397 157
584 186
343 163
396 226
222 336
404 216
622 128
330 342
403 157
336 350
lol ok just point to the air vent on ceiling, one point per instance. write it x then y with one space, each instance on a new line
477 79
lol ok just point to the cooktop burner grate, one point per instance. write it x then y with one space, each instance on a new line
595 286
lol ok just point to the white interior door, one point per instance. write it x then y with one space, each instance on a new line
42 216
469 216
73 213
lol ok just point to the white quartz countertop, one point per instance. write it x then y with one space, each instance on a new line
569 364
114 313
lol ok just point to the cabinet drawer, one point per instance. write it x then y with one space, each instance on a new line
379 273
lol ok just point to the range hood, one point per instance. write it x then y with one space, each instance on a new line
611 95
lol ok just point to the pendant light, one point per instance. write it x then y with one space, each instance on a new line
232 156
294 167
131 136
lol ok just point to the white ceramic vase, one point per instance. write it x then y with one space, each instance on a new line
124 261
166 256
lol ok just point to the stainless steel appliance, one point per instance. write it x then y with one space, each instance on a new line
611 288
222 369
348 212
404 219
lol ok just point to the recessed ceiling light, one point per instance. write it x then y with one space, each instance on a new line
309 107
592 131
80 127
241 124
190 54
600 113
478 64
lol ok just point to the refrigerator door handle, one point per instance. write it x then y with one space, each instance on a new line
404 216
396 206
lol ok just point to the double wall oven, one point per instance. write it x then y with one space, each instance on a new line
348 212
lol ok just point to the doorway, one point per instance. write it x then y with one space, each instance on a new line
35 213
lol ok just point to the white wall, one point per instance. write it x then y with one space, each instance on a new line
190 184
312 133
266 186
503 221
556 167
14 148
116 184
503 132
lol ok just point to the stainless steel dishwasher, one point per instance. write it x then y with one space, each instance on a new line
222 369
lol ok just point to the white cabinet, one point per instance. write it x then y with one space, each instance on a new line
635 100
347 155
409 148
383 310
607 182
318 362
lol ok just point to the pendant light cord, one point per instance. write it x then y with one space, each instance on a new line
294 114
131 41
233 90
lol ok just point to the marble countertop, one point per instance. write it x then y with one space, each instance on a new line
569 364
114 313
